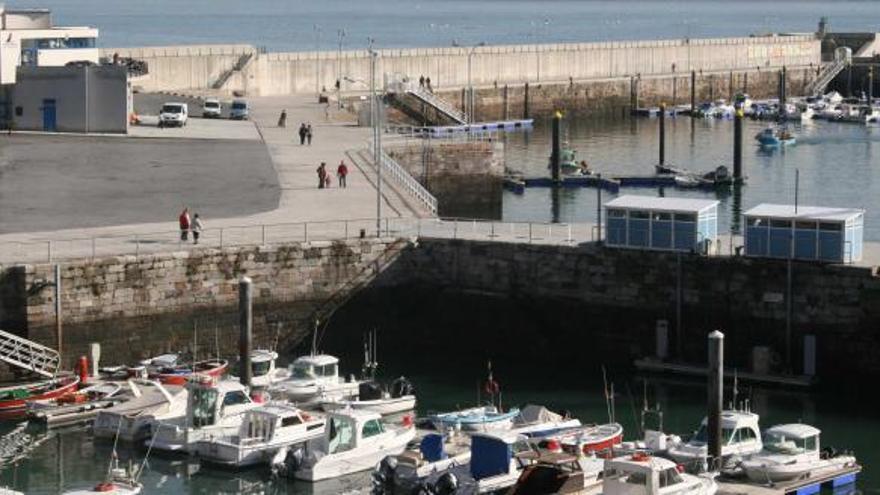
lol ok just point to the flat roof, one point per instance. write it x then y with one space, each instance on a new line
804 212
634 202
795 430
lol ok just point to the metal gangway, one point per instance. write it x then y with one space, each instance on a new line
842 60
29 355
439 104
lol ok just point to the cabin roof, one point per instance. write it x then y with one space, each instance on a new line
804 212
276 409
795 430
731 419
317 360
627 463
358 415
653 203
261 355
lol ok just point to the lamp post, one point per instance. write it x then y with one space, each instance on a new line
341 34
375 118
317 30
471 102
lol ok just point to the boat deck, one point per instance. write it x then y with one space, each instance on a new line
808 486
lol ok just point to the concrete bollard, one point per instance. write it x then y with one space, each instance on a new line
662 122
246 328
95 355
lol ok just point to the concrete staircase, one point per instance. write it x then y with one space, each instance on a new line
28 355
239 66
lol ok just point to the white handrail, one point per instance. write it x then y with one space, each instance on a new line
409 183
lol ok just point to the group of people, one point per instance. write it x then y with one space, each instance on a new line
425 83
305 134
324 175
188 225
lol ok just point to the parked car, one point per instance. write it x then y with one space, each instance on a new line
173 115
239 110
212 108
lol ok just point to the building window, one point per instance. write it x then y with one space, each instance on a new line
65 43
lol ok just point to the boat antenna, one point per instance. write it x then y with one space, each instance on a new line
216 340
735 390
315 338
375 363
195 341
613 412
607 395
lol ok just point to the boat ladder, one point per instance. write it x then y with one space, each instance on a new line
29 355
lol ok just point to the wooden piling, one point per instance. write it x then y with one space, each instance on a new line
246 328
716 398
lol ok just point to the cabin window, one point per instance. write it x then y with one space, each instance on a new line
780 444
662 217
291 421
805 225
204 404
640 479
746 435
372 428
811 444
301 371
639 214
780 224
616 213
261 368
757 222
669 477
831 227
235 398
341 435
685 217
326 370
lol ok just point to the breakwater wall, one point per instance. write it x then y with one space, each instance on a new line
242 68
141 306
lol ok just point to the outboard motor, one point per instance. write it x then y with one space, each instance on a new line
401 387
446 484
383 475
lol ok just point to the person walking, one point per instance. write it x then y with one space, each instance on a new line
282 120
422 82
341 173
322 175
196 228
309 134
302 134
183 220
428 84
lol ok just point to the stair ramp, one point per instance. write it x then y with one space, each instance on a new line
842 60
442 106
28 355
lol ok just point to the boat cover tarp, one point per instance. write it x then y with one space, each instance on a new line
490 456
432 447
532 414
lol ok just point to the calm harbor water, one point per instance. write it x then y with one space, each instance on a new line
72 459
838 165
301 24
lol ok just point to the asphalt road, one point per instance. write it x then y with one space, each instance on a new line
61 182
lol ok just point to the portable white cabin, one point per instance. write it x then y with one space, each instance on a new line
810 233
664 224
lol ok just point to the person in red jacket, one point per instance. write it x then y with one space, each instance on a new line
342 172
184 224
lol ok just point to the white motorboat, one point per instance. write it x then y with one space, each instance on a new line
643 474
265 433
792 451
133 420
353 441
373 397
314 379
264 373
808 114
214 407
740 438
481 418
120 481
538 421
77 407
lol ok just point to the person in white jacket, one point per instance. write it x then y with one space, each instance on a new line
196 228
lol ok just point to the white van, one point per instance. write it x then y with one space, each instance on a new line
211 109
173 115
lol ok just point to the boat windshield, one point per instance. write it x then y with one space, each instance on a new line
778 443
341 437
204 405
702 436
669 477
260 368
301 371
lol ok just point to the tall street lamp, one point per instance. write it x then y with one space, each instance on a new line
341 34
471 102
317 30
375 118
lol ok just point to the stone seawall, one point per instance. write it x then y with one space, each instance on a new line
605 298
142 306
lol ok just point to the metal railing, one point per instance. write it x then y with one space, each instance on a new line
842 59
438 103
409 183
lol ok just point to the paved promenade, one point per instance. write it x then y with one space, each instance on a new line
300 200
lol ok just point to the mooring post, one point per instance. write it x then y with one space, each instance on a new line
737 141
716 398
246 328
557 147
526 102
662 122
599 209
59 336
506 102
693 91
870 85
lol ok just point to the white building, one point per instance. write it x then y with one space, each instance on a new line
28 38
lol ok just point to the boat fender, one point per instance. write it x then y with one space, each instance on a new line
105 487
446 484
407 421
82 368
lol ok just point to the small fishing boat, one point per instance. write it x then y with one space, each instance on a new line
792 451
568 164
14 399
178 375
353 441
264 373
644 474
538 421
373 397
314 379
740 438
133 419
120 481
586 440
214 408
479 418
77 407
265 435
774 137
559 472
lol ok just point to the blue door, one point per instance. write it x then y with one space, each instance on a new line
49 115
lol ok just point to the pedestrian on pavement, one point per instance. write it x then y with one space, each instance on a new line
341 173
196 228
282 120
421 81
302 134
322 175
309 134
183 220
428 84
